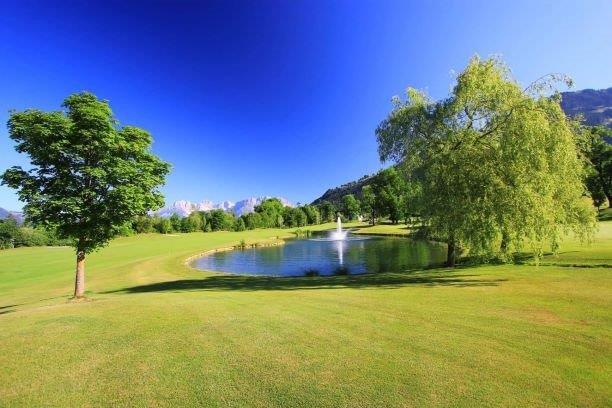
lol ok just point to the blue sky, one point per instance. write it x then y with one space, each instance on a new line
276 97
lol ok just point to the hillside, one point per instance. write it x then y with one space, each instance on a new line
594 105
334 195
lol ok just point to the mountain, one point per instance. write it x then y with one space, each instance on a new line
18 216
594 105
334 195
183 208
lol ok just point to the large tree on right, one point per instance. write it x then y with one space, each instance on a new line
498 165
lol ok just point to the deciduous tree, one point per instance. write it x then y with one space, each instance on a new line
88 176
499 163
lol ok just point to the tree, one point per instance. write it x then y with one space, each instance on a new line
328 211
301 219
191 223
163 226
368 202
350 206
89 176
289 217
497 164
202 216
253 220
8 233
599 173
221 220
239 224
389 188
313 216
175 220
271 211
143 224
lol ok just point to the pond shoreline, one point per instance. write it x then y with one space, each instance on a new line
257 244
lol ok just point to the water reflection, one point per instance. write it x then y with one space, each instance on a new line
323 257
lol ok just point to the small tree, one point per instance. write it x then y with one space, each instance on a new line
368 203
89 176
599 155
350 206
328 211
143 224
163 226
175 220
191 223
313 216
239 224
389 188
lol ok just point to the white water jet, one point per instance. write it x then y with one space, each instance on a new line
338 234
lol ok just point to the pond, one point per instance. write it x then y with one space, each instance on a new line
321 256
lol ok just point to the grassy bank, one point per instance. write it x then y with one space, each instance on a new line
156 333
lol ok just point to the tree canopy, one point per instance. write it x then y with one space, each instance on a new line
497 165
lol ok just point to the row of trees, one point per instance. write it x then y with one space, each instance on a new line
12 235
388 195
271 213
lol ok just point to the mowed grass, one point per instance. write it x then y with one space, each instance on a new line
157 333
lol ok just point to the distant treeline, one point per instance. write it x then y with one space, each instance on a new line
271 213
13 235
382 198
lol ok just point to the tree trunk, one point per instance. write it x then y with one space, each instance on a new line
609 200
451 253
503 247
79 282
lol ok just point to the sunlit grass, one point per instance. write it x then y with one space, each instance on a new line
156 333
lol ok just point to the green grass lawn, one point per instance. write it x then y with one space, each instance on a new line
156 333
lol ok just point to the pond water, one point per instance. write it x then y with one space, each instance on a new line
320 256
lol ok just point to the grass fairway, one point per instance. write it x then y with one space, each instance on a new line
156 333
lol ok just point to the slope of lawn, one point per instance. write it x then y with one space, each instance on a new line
156 333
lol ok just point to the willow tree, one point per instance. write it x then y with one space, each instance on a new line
497 164
88 176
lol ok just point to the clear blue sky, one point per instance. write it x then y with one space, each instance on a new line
276 98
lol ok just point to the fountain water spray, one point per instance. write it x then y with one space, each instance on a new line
338 235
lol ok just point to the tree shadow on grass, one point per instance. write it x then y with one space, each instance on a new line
366 281
7 309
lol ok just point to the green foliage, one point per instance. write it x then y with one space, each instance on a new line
12 236
89 176
191 223
350 206
143 224
389 190
221 220
271 211
163 226
328 211
9 230
368 203
239 224
497 165
294 217
253 220
599 170
175 220
313 216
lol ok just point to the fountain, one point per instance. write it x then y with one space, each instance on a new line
338 234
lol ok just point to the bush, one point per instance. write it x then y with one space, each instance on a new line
311 272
